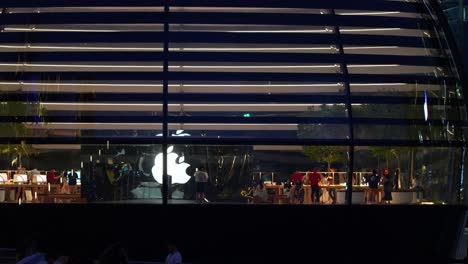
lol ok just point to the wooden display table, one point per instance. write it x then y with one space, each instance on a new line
278 189
325 197
21 188
279 193
64 198
41 190
404 197
360 195
281 199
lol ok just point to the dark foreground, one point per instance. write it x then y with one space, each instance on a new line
241 233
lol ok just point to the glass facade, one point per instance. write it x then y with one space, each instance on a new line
136 95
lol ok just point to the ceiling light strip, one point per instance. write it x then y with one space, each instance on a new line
186 49
185 105
368 13
369 29
196 66
199 85
59 30
82 84
371 47
281 31
82 65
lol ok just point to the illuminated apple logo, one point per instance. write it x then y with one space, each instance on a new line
176 167
179 133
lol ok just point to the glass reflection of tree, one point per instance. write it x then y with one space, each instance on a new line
324 154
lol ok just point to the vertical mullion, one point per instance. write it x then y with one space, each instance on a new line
344 67
461 181
165 186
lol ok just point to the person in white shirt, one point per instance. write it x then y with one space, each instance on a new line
201 178
174 256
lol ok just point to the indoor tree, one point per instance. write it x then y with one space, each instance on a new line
326 154
18 130
320 153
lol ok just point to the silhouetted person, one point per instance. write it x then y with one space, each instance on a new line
31 252
388 186
373 182
297 176
114 254
315 180
201 179
174 256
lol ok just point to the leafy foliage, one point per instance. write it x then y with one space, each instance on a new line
327 154
18 130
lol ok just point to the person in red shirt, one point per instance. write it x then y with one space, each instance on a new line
51 178
297 176
315 180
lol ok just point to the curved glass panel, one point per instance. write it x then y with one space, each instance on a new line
199 81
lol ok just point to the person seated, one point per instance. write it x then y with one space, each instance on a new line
260 193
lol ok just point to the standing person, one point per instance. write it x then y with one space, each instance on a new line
287 186
298 193
201 178
174 256
331 191
297 176
373 182
51 177
65 187
33 173
388 186
306 179
72 178
315 180
416 183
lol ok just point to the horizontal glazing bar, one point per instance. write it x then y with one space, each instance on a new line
380 5
231 141
320 98
201 57
99 121
213 37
